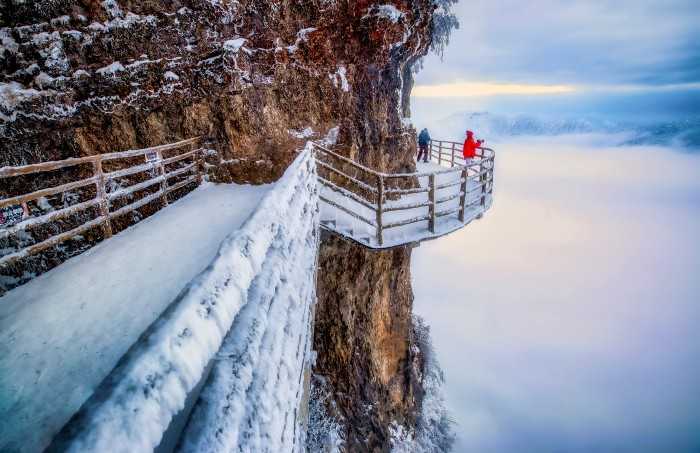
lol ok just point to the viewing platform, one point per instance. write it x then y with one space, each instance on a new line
382 210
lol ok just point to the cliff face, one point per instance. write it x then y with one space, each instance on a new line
80 77
363 338
84 77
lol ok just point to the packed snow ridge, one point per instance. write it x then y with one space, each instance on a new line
240 330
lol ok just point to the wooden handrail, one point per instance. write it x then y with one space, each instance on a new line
475 175
154 157
6 172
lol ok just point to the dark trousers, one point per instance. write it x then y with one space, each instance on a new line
423 151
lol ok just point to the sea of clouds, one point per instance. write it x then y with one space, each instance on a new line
566 319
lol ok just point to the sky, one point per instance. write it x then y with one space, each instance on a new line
551 47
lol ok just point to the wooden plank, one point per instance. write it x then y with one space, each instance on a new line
407 191
347 211
354 181
407 221
345 159
7 172
181 170
143 151
133 206
447 184
183 183
134 188
179 157
447 198
346 193
48 217
47 192
129 171
445 212
55 240
406 207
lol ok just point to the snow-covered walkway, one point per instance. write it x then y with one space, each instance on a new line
349 226
63 332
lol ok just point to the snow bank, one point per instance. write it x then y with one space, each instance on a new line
134 406
251 400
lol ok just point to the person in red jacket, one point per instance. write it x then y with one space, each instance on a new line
470 146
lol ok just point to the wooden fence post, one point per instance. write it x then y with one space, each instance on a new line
102 196
452 163
463 195
431 206
199 158
380 204
483 180
439 153
164 182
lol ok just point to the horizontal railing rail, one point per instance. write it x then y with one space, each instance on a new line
382 193
153 161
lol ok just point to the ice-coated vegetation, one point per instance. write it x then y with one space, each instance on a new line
433 432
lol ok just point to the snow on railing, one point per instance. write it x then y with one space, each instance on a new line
240 331
14 210
382 210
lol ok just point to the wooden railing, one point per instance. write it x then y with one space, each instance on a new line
189 172
383 193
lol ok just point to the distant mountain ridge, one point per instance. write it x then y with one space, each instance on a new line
683 133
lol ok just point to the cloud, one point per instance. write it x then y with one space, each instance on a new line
486 89
566 319
559 42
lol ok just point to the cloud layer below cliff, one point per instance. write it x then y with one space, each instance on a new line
566 319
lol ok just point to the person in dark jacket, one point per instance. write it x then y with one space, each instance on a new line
423 142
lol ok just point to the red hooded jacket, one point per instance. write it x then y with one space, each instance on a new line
470 146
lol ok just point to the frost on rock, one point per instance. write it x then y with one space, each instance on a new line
339 79
386 11
433 432
324 433
233 45
111 70
262 284
169 75
302 36
305 133
13 94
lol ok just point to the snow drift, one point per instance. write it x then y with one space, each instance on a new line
246 286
